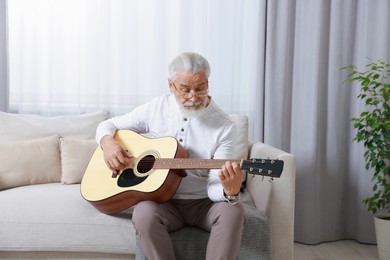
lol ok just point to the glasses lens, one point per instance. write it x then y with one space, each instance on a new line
188 95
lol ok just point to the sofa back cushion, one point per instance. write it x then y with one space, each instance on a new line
17 127
30 162
241 122
77 141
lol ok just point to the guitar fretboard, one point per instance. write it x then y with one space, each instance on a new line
193 163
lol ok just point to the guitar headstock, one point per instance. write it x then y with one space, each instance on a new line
265 167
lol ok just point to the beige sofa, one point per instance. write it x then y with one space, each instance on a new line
43 215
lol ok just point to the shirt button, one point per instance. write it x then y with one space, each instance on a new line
185 119
182 129
181 140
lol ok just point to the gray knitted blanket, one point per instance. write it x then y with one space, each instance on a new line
190 243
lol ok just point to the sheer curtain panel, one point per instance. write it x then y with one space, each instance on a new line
71 56
3 57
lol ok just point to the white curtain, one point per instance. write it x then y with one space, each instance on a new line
70 56
276 61
3 58
308 108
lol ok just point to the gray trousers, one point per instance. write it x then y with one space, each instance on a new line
153 222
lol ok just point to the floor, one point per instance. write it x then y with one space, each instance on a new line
340 250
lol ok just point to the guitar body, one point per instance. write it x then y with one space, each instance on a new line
111 194
155 173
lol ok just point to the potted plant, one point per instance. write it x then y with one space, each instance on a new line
373 130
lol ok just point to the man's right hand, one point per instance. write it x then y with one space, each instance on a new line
115 157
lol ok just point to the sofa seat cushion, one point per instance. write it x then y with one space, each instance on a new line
54 217
191 242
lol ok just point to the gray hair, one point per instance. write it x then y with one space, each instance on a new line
188 62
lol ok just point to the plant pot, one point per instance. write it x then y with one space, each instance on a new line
382 230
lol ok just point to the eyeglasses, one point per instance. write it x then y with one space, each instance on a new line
188 93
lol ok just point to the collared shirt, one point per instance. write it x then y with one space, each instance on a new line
211 135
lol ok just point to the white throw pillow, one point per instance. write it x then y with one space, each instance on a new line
17 127
30 162
75 156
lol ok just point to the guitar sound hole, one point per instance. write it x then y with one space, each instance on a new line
146 164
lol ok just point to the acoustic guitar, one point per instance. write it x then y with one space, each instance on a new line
155 173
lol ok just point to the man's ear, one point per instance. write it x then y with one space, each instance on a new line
170 84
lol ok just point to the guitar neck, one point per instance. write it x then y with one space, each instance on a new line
192 163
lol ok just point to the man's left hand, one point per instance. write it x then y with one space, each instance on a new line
231 178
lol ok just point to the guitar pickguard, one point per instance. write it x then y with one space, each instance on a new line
127 178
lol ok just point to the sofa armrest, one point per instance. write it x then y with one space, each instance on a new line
276 199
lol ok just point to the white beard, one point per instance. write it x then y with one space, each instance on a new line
187 109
